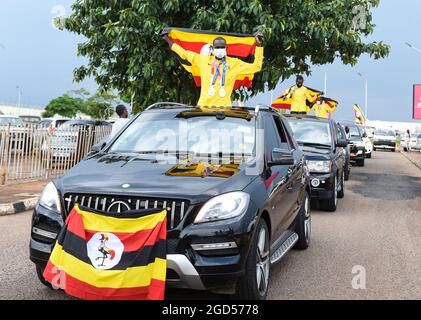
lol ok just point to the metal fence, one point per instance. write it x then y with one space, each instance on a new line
34 152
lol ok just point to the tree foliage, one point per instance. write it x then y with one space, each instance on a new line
125 50
65 106
98 106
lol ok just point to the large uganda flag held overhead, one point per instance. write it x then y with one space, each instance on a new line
111 256
359 115
238 46
285 103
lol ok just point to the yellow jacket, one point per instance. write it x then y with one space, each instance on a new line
299 97
323 110
235 67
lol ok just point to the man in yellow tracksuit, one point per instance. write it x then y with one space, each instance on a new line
218 71
299 95
323 110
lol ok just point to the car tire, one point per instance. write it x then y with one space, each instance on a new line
248 287
331 204
360 163
40 271
347 172
374 149
369 156
303 224
393 150
341 192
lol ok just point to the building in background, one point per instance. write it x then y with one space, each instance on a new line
14 110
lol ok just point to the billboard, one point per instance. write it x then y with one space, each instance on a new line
417 102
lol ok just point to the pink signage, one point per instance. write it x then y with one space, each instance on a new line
417 102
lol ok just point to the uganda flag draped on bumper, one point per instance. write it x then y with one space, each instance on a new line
111 256
238 46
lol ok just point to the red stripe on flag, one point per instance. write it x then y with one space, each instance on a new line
281 106
83 290
74 224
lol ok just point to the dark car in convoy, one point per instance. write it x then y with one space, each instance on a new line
234 180
347 149
356 143
324 150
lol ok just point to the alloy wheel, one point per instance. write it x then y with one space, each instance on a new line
263 262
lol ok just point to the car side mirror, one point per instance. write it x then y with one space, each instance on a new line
98 147
342 143
281 157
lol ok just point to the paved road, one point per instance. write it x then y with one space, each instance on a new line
377 226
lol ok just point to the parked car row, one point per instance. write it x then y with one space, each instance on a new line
238 183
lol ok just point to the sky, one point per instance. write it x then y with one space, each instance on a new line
40 60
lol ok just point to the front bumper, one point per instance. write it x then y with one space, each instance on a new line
384 144
322 186
189 265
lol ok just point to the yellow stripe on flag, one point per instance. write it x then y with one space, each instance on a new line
128 278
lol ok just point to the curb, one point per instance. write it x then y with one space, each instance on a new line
18 206
414 162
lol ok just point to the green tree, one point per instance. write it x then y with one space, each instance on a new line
125 50
100 105
65 106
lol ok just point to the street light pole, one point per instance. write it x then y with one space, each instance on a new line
413 47
19 97
366 97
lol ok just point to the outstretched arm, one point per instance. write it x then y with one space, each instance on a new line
256 66
183 54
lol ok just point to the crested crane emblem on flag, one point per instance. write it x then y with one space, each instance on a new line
105 250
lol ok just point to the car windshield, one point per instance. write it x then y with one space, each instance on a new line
354 131
173 133
12 121
383 132
311 131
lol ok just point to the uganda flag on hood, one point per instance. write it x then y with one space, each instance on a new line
112 256
285 103
238 46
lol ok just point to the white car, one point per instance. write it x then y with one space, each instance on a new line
384 139
368 134
414 143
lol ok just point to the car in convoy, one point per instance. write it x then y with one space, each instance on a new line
367 136
234 180
324 148
384 139
347 149
414 143
356 143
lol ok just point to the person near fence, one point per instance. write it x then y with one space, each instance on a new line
123 115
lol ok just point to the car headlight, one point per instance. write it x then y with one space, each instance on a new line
50 198
319 166
226 206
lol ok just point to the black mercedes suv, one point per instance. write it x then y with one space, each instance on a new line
234 180
324 147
